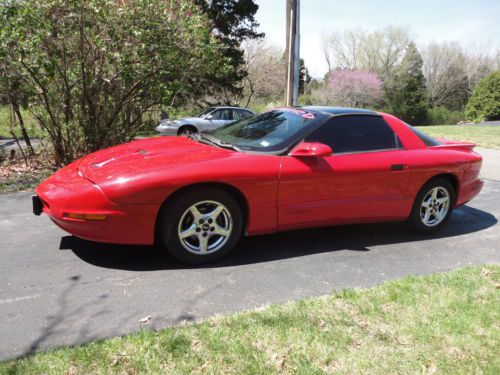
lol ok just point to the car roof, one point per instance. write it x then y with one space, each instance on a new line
229 107
339 110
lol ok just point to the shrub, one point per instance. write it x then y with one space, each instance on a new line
443 116
96 67
484 104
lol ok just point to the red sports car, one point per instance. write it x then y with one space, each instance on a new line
283 169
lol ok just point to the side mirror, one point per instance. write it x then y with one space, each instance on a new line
311 149
209 117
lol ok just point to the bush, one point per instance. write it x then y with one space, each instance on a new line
443 116
97 67
484 104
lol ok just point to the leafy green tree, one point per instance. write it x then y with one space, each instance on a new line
96 67
484 104
304 77
405 90
233 21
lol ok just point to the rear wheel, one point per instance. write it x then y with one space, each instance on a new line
201 226
433 206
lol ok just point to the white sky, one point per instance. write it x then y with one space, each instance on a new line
460 20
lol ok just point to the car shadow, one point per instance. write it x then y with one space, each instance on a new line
283 245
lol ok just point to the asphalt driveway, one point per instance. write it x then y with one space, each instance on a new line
56 289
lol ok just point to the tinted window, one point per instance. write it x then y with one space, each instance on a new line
355 134
206 112
222 114
427 139
240 114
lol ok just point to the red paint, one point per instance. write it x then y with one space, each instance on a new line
130 182
311 149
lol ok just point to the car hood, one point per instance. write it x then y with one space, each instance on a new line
147 154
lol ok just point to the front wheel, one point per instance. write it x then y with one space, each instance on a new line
201 226
433 206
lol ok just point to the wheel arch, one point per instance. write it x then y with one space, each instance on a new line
186 126
450 177
230 189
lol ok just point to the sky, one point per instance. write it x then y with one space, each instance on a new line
473 21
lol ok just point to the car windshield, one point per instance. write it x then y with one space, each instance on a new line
269 131
206 112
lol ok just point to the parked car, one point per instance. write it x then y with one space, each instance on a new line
284 169
211 118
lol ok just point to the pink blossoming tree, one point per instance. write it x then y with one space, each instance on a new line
355 88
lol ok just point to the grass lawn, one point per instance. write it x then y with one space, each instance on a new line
444 323
484 136
32 128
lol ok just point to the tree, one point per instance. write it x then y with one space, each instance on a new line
355 88
377 52
484 104
14 93
96 67
233 21
451 72
12 90
304 77
405 92
265 65
445 76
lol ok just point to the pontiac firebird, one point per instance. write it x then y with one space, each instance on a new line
284 169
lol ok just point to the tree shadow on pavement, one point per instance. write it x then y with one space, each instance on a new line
465 220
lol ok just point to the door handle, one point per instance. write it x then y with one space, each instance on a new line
397 167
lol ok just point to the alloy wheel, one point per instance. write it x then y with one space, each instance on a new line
435 206
205 227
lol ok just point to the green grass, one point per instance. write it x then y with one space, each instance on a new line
484 136
32 128
445 323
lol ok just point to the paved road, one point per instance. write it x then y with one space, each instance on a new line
56 289
491 163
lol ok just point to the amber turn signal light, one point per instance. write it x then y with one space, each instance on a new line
87 217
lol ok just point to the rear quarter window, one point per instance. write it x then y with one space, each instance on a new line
427 139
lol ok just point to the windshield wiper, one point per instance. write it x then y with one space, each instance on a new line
214 141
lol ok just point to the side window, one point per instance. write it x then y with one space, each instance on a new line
356 134
427 139
222 114
239 114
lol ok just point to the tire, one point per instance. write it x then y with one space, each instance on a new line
430 211
209 237
186 131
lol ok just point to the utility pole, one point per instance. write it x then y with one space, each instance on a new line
292 52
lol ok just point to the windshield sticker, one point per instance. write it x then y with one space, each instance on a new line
264 143
299 112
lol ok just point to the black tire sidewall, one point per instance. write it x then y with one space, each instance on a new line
415 218
171 215
186 131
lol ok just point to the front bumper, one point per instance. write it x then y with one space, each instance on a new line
167 129
68 192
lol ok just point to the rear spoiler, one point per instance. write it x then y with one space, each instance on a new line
455 145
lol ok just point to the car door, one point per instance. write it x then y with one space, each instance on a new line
240 114
365 178
219 117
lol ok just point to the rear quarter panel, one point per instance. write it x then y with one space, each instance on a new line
424 163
